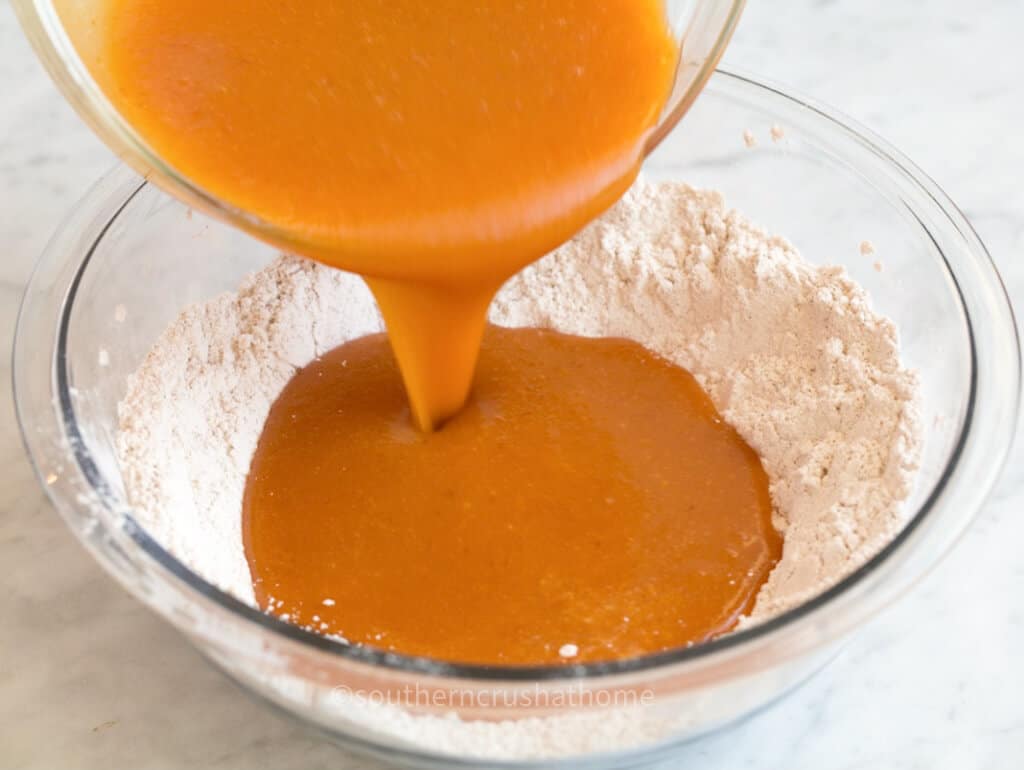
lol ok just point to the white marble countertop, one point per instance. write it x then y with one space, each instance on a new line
90 679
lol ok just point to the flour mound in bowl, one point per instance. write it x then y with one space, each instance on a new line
791 354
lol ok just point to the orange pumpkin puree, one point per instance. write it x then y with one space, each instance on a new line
588 494
433 147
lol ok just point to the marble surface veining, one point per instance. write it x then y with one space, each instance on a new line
90 679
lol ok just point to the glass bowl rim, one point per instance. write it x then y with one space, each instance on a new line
538 673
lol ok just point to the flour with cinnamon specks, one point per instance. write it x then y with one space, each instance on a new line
792 355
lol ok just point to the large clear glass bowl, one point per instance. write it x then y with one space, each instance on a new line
130 258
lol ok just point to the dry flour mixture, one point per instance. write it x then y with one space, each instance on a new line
792 355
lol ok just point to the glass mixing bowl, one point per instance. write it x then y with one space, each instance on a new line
130 258
66 36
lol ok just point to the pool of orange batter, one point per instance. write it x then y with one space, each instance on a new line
588 494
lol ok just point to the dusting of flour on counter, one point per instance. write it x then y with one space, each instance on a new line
791 354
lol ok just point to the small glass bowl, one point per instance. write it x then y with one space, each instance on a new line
130 258
66 35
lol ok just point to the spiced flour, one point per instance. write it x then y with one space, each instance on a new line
792 355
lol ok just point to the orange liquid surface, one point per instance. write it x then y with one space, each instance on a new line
588 494
434 147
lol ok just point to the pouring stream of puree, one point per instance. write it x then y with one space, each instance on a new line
434 148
